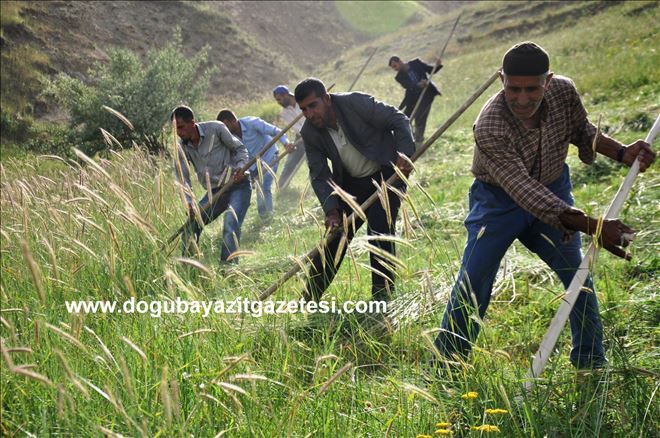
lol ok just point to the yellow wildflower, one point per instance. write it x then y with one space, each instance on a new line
443 425
496 411
424 436
486 428
444 432
469 395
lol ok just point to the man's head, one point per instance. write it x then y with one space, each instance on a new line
228 117
396 64
314 102
525 77
283 96
184 118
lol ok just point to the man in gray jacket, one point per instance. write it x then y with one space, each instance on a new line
215 155
363 139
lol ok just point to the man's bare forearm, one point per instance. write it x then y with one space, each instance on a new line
576 220
610 147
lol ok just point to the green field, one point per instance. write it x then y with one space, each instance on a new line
94 231
377 18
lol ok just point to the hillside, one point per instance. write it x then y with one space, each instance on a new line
254 45
96 230
487 29
245 41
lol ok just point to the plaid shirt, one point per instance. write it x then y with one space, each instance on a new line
523 161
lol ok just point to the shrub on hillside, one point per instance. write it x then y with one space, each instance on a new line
54 139
270 112
21 70
14 127
145 94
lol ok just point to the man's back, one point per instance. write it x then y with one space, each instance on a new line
256 134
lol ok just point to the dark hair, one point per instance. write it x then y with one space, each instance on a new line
226 114
526 59
183 113
393 59
309 86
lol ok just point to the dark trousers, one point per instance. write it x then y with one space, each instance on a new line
421 115
323 269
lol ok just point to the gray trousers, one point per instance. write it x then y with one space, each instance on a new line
291 165
420 118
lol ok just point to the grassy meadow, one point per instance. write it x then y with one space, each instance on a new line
390 15
94 230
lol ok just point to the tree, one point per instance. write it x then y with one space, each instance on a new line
145 94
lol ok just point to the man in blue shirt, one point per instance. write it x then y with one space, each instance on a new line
256 133
215 155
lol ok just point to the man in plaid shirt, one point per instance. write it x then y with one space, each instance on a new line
522 190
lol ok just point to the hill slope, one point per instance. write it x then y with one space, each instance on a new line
253 44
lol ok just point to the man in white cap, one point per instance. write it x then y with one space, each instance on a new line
290 111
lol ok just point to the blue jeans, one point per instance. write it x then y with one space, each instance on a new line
264 192
236 201
504 222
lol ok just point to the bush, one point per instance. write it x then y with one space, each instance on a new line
145 94
270 112
53 139
14 127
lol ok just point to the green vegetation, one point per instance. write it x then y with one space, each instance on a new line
379 17
143 94
10 13
21 69
77 233
24 65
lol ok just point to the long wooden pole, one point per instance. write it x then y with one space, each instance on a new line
442 52
571 294
362 69
366 204
280 156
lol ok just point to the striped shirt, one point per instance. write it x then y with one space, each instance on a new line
523 161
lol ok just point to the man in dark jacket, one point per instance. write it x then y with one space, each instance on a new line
363 139
413 77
